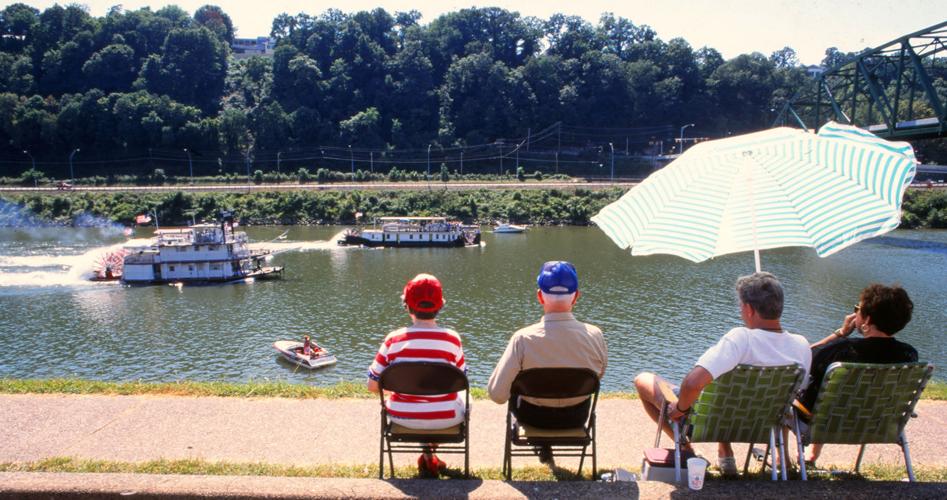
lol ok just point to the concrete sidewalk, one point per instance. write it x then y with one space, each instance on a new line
327 431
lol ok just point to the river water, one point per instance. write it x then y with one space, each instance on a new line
658 312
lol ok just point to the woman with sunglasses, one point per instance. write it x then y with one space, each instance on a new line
881 312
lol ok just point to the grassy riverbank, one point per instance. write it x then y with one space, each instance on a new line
308 207
935 390
873 472
922 208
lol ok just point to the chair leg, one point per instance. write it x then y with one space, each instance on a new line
582 461
800 448
594 457
677 452
782 452
772 449
381 455
907 457
746 463
467 455
391 462
858 461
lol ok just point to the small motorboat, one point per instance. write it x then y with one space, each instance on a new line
503 227
292 351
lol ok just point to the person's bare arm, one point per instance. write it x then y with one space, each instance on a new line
848 326
693 383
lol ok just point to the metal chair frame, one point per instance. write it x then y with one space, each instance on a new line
541 383
854 381
422 378
705 400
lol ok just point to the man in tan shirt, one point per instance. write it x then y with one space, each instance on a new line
557 341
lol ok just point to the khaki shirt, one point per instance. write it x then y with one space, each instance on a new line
558 341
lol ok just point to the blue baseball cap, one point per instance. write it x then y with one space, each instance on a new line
558 277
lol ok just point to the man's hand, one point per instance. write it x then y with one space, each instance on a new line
675 414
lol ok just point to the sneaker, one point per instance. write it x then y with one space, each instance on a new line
430 465
727 466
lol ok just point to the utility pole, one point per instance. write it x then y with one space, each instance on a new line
613 161
529 133
682 136
190 164
278 154
626 146
371 161
461 162
428 162
557 162
27 153
248 168
72 175
501 161
352 160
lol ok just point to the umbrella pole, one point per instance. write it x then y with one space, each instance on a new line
756 257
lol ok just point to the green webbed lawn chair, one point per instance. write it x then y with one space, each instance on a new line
862 403
745 405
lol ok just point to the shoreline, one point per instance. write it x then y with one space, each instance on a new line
935 391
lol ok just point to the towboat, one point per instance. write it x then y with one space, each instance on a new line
503 227
292 351
199 254
413 232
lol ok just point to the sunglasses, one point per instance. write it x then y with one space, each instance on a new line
857 308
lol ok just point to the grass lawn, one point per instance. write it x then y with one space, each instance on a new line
536 473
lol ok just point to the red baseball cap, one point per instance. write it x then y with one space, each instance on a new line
423 294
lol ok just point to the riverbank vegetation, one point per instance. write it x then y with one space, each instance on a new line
923 208
573 206
136 91
935 390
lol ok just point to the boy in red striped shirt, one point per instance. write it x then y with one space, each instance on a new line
422 341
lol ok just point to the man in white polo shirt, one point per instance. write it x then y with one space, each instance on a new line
761 342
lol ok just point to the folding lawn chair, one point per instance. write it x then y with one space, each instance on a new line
552 383
745 405
861 403
423 379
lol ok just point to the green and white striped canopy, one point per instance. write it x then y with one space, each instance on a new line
776 188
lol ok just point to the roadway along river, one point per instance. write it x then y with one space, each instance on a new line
658 313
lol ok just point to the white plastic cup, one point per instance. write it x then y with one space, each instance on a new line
696 468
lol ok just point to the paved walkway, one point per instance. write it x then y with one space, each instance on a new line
326 431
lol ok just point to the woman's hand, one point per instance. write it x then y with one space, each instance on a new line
848 325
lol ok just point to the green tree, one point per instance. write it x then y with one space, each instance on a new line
213 18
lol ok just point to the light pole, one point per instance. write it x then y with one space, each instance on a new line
371 161
33 160
461 162
190 164
278 154
613 161
72 176
682 135
352 160
428 161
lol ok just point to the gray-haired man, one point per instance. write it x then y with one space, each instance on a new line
761 342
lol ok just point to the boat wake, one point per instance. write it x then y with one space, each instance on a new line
47 270
278 247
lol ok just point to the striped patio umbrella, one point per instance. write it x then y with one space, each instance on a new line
776 188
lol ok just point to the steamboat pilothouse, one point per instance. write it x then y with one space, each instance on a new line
414 232
199 254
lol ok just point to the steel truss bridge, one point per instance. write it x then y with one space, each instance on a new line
897 90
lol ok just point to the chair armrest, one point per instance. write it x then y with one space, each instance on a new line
801 409
667 392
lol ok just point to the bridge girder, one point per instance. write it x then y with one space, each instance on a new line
897 90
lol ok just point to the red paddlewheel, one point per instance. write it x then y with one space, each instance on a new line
109 264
